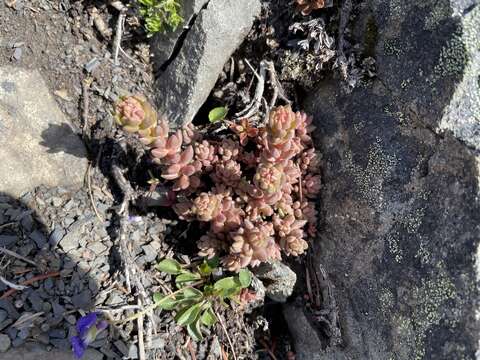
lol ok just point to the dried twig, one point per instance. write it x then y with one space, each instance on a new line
267 349
7 225
34 279
278 90
141 344
85 102
341 58
118 35
254 105
189 346
90 193
226 334
12 285
15 255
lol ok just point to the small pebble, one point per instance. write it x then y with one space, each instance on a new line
5 342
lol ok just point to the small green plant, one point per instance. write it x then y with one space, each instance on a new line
217 114
195 307
160 15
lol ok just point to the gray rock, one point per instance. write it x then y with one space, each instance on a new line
401 213
157 343
163 45
279 279
187 81
38 146
71 240
62 344
307 342
3 315
5 342
57 333
92 354
36 301
39 238
150 253
9 308
36 352
97 247
7 240
82 300
55 237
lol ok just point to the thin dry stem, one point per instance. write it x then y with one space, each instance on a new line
226 334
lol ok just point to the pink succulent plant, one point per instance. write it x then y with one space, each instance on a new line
253 244
227 172
206 154
256 201
311 185
244 130
269 178
228 149
183 170
135 115
304 127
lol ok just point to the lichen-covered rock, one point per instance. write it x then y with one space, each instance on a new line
37 145
401 184
278 278
187 81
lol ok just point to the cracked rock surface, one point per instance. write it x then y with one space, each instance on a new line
400 202
217 31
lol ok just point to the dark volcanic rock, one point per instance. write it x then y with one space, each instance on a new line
400 202
216 33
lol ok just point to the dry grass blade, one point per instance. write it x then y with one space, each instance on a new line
222 324
12 285
15 255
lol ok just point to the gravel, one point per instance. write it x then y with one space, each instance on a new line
5 342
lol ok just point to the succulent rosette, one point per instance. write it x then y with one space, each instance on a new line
135 115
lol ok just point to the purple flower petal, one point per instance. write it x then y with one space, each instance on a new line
85 323
102 325
78 346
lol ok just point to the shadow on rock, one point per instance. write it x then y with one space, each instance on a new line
62 138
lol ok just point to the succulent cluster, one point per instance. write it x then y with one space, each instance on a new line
252 188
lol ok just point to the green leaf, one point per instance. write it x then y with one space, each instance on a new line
245 277
191 293
188 314
227 287
217 114
208 317
213 262
185 278
169 266
194 330
204 269
164 302
226 283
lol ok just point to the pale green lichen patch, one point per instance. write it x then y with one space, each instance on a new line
441 10
394 246
452 61
428 302
369 180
